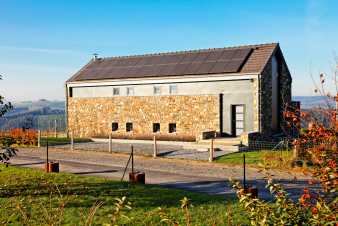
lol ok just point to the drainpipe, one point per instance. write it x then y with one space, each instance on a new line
259 102
66 109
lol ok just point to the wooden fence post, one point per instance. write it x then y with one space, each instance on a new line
110 144
296 150
155 148
39 138
71 141
55 132
211 153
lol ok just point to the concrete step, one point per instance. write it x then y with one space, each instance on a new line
206 147
222 141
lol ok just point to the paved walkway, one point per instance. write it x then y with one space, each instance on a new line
191 175
177 150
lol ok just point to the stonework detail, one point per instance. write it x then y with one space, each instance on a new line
255 105
89 117
284 96
266 100
285 99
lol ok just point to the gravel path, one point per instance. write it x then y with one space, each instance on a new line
191 175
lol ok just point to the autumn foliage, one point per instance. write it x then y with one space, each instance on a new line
318 144
18 137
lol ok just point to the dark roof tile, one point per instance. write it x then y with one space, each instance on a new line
241 59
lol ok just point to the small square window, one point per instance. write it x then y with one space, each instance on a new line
173 89
116 91
130 91
172 127
70 91
129 127
157 90
156 127
114 126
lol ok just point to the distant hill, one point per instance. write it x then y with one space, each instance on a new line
308 102
40 114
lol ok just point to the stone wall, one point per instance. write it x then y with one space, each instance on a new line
285 82
284 95
88 117
265 112
255 94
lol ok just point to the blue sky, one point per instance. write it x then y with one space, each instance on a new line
42 43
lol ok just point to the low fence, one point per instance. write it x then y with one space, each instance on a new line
284 144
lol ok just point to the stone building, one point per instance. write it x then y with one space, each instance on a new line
181 95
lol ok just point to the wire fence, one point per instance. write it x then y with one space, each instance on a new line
267 145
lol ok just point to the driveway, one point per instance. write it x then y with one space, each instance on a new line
190 175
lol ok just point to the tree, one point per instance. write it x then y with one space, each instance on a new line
4 107
7 152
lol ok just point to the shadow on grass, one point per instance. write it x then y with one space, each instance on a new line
94 172
29 163
293 187
142 196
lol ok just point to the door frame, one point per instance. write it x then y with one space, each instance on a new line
221 106
233 119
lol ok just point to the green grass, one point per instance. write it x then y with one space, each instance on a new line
274 158
40 197
62 140
253 157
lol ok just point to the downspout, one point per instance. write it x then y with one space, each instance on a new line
66 109
259 103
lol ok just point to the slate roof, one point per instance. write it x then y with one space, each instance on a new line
240 59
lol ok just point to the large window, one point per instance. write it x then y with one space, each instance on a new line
114 126
157 90
129 127
172 127
156 127
130 91
173 89
116 91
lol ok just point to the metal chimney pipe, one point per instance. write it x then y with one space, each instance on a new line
95 56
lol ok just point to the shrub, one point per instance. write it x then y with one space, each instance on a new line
312 208
18 137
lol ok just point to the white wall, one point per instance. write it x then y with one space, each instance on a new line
186 88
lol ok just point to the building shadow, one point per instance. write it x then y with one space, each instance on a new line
29 163
95 172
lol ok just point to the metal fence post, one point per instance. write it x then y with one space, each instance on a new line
110 144
155 148
39 138
47 157
211 153
244 173
71 141
132 159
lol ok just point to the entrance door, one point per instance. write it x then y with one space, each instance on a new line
237 116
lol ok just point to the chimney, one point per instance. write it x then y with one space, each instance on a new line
95 56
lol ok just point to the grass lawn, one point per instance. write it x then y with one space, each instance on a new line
32 197
61 140
274 158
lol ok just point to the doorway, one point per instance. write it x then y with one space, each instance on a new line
237 120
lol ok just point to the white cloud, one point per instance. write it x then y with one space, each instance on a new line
42 50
